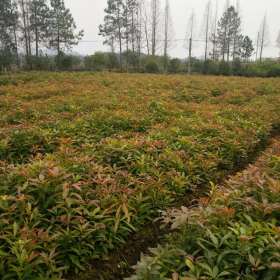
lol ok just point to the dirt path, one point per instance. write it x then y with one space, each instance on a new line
119 263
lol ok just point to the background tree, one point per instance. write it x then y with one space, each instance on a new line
8 22
247 48
189 38
168 33
206 28
130 25
145 20
263 39
155 25
237 36
62 28
213 36
39 22
278 41
25 28
229 33
139 30
114 24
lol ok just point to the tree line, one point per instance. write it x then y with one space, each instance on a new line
144 26
137 27
34 27
37 34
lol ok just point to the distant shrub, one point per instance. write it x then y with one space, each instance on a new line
96 62
174 65
224 68
42 62
152 67
237 67
274 71
67 62
210 67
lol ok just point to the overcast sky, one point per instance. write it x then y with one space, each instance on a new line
89 15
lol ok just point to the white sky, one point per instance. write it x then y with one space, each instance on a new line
89 15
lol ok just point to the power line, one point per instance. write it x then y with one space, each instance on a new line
175 40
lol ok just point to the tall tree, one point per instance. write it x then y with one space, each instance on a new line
189 38
39 22
8 23
206 28
257 46
278 41
132 7
229 33
168 33
130 33
114 24
237 37
24 18
139 29
213 36
263 36
145 19
155 25
62 27
247 48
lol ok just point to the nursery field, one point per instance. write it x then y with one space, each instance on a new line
86 159
233 233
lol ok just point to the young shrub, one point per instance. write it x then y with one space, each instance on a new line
22 145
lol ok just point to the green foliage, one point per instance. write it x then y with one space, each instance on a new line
67 62
247 48
87 159
21 145
9 18
216 92
43 62
224 68
152 67
101 61
96 62
61 27
174 65
232 234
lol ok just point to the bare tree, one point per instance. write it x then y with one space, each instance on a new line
168 33
139 23
278 41
146 25
264 36
257 45
237 38
155 8
206 28
24 24
213 37
189 38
